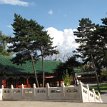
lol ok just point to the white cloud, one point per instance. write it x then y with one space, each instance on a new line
64 40
50 12
14 2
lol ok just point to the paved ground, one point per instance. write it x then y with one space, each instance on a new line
52 104
104 97
47 104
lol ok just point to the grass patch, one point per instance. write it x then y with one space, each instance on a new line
102 86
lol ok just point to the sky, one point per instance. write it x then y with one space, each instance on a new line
59 17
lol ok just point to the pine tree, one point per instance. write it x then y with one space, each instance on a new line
93 41
30 42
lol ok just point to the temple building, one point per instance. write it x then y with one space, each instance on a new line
24 74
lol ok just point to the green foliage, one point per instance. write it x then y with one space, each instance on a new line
88 67
3 44
104 71
24 43
93 42
67 79
103 87
85 31
30 42
30 38
68 65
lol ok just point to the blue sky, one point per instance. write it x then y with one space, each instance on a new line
60 14
59 17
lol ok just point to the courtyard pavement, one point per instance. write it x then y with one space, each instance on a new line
104 97
47 104
103 94
52 103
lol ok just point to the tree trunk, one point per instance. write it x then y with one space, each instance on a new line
43 72
96 73
34 71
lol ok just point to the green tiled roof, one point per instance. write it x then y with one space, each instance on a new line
5 63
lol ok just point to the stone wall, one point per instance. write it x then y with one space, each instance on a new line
78 93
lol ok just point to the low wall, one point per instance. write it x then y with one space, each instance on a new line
1 94
49 93
80 93
89 95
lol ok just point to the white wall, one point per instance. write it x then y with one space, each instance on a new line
0 94
78 93
89 95
48 93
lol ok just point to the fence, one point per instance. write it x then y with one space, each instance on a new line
78 93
